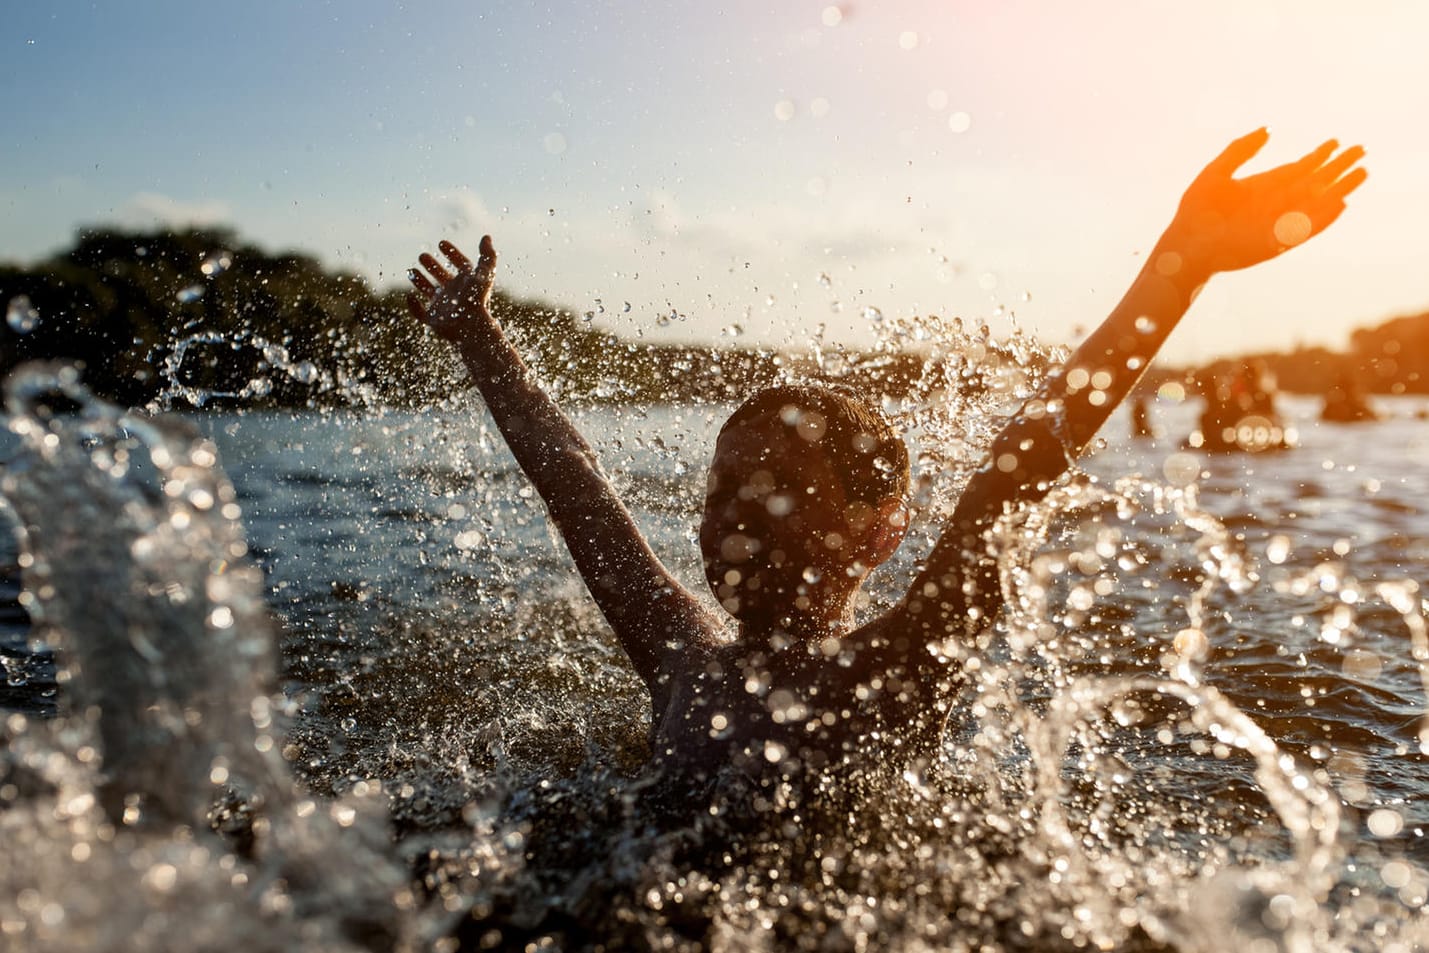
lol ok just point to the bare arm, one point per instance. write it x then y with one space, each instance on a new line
643 603
1222 224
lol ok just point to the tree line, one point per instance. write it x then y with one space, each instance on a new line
176 318
173 318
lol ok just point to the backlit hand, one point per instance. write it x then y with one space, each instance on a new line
446 302
1225 223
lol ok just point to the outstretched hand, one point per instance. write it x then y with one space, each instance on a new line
446 302
1225 223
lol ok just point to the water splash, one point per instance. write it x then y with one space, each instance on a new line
273 358
163 769
1098 790
21 315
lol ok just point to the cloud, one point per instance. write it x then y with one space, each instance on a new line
147 209
658 217
463 209
772 230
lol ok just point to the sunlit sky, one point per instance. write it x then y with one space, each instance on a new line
771 167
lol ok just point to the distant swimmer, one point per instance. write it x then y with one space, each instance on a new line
1240 413
1141 428
1347 403
807 495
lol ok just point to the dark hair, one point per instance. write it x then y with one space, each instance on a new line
870 456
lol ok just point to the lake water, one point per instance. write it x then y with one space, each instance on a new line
1200 730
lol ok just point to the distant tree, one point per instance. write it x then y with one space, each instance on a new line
1395 355
189 317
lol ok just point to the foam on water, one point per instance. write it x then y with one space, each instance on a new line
155 810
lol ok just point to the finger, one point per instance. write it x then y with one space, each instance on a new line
1328 206
1347 184
421 283
435 268
1337 167
1237 154
456 256
1316 157
417 307
486 266
1301 171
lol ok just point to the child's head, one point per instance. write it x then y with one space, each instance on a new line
806 496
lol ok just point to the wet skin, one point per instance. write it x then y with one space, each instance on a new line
786 552
785 547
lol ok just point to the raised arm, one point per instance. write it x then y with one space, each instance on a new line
643 603
1222 224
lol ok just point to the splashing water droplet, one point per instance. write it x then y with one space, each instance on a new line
872 314
216 263
190 294
21 315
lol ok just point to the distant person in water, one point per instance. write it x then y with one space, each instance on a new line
806 496
1240 412
1346 401
1140 416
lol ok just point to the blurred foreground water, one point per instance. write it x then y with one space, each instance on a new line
356 698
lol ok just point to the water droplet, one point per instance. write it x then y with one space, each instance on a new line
872 314
190 294
1191 644
825 280
960 122
1385 822
216 263
1292 228
21 315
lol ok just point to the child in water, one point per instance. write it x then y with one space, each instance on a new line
806 497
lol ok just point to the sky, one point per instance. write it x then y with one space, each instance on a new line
745 172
